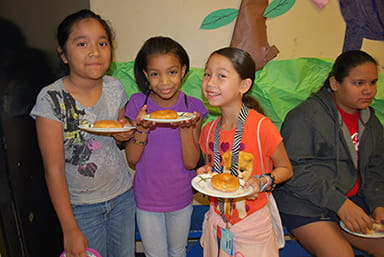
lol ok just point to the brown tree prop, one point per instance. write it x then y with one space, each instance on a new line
250 32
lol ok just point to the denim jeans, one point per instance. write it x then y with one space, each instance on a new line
164 234
109 226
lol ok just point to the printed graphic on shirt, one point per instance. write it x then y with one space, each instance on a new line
80 149
224 147
355 139
239 206
244 170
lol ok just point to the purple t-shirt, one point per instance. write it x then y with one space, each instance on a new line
161 182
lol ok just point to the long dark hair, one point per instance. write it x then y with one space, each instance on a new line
245 66
65 29
344 63
153 46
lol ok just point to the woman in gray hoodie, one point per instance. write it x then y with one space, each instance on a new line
336 146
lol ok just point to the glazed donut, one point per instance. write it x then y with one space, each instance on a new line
225 182
164 114
376 228
107 124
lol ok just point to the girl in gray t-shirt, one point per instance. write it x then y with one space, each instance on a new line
86 173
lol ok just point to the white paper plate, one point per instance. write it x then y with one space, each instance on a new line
181 117
370 235
202 183
89 128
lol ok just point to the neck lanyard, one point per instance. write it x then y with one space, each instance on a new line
236 142
235 153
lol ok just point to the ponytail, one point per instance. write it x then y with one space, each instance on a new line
252 103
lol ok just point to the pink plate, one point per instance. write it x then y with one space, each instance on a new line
90 253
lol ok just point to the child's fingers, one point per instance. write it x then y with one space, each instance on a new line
206 169
125 122
142 111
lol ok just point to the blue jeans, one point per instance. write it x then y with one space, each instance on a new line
109 226
164 234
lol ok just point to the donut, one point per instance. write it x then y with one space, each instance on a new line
376 228
107 124
225 182
164 114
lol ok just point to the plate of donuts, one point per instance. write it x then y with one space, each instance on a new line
376 232
168 116
105 126
203 184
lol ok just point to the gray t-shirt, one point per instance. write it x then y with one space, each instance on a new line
96 170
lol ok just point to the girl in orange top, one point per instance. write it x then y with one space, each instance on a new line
240 226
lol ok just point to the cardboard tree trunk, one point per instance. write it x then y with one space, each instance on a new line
250 32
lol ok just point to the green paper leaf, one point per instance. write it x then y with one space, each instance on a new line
219 18
278 7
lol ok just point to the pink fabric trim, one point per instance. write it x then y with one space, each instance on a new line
253 234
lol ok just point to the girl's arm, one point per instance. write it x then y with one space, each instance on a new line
282 166
50 138
136 145
189 135
282 171
122 114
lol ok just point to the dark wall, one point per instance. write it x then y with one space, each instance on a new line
28 223
38 20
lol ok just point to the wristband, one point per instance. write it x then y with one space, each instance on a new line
269 185
138 142
263 186
272 184
142 132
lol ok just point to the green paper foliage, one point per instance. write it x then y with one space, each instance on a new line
219 18
278 7
278 87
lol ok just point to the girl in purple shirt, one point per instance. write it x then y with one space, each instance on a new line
165 154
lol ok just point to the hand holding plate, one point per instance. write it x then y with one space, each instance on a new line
354 217
255 184
126 135
206 169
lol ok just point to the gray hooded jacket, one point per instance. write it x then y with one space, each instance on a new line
324 159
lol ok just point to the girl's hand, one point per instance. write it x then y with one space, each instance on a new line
378 215
196 119
75 243
206 169
187 123
144 125
354 218
125 123
124 136
255 183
